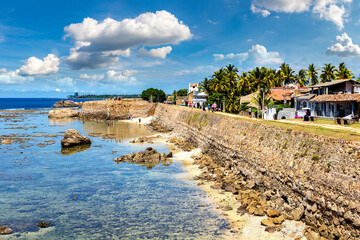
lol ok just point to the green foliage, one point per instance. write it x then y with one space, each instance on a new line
182 92
315 157
343 72
328 73
228 83
312 75
215 98
156 95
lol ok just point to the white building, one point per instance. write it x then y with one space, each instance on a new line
193 87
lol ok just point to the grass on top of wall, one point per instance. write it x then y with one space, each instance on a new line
347 135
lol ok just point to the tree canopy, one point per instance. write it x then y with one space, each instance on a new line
182 92
228 85
156 95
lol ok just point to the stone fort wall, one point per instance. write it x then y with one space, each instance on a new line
316 175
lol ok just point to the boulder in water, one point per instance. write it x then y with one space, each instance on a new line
150 157
43 224
67 103
5 230
73 138
63 113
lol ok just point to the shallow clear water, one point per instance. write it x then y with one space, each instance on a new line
86 195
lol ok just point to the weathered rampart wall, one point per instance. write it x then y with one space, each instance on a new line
316 175
116 110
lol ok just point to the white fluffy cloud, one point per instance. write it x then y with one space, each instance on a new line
156 52
330 10
35 66
287 6
99 44
13 77
344 47
111 77
257 54
119 76
65 82
263 12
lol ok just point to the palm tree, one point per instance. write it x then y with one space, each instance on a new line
257 76
343 72
287 74
244 86
262 99
218 81
301 78
328 73
312 75
205 85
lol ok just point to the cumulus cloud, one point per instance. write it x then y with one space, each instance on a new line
13 77
287 6
99 44
330 10
156 52
344 47
231 56
257 54
93 60
35 66
65 82
260 55
58 90
111 77
264 13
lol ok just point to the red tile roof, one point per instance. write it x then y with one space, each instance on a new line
278 94
347 97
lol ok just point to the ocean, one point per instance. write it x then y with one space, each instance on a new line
33 103
84 193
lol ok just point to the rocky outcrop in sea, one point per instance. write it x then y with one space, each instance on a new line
66 103
73 138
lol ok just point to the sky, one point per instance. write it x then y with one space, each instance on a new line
54 48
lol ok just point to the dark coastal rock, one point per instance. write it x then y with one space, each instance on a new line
183 144
5 230
149 158
73 138
63 113
43 224
158 127
67 103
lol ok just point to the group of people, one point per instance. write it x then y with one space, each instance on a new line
209 107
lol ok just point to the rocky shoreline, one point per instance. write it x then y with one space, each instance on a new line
251 212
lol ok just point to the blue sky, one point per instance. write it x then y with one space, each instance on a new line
53 48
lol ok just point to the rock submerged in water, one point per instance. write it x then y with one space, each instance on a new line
67 103
43 224
73 138
150 157
63 113
5 230
7 142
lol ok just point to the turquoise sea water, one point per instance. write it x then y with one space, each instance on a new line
86 195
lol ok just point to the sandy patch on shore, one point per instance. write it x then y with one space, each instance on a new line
141 120
248 226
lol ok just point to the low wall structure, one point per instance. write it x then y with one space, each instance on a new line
116 109
314 177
